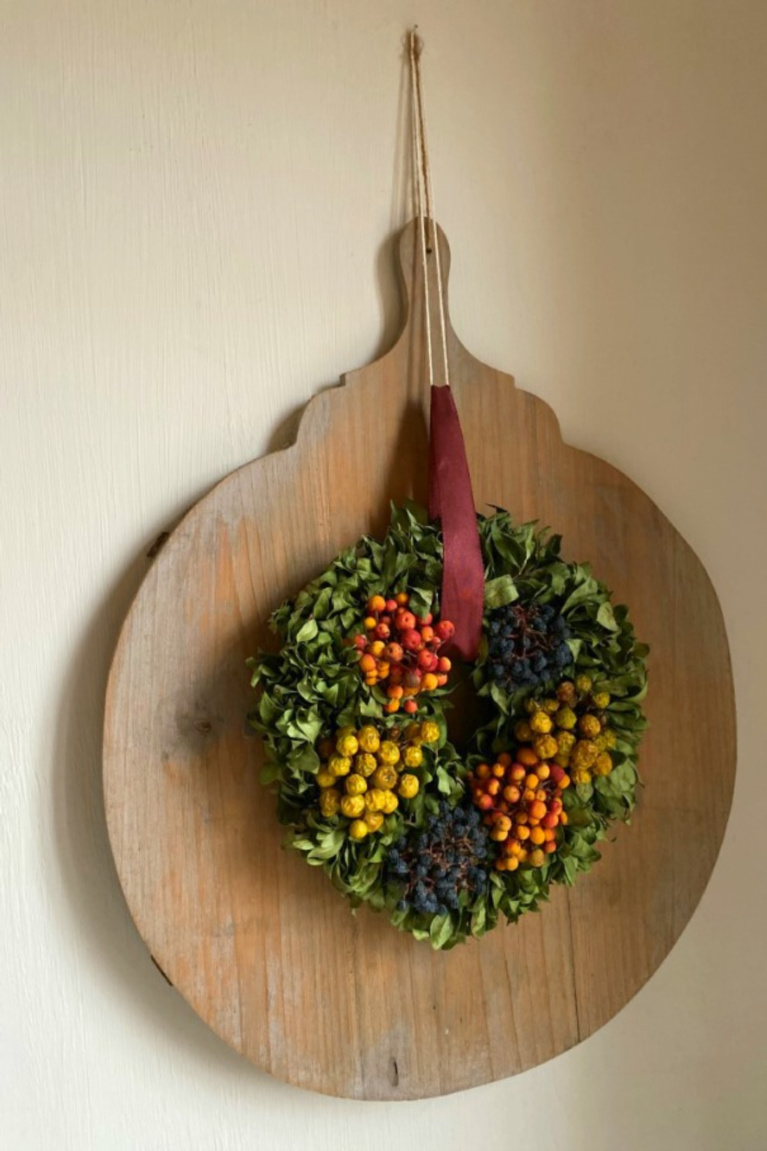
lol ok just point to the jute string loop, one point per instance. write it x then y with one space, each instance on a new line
424 202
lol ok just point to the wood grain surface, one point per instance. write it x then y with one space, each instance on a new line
259 944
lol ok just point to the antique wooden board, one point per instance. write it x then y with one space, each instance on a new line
259 944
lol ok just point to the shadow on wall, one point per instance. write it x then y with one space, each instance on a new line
86 866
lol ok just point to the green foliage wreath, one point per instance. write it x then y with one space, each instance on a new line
396 816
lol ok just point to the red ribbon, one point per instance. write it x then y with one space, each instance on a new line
451 500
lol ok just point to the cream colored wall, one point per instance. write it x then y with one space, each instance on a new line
196 210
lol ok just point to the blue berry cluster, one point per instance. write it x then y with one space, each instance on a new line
527 645
435 865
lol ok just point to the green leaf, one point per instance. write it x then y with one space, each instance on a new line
499 592
307 632
606 616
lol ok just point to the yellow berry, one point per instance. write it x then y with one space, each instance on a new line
408 786
374 820
589 726
356 785
358 829
325 778
565 718
365 763
604 764
377 648
413 757
581 775
375 799
523 732
566 691
545 746
584 682
601 699
352 806
390 802
429 731
347 745
565 741
339 765
388 753
384 777
584 753
369 739
540 723
537 857
611 738
330 801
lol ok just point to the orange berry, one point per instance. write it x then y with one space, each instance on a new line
498 770
392 706
517 772
522 832
514 847
429 681
493 786
503 806
528 795
541 794
537 836
376 603
549 846
371 680
485 802
549 834
512 863
504 758
563 818
532 821
564 782
538 809
402 598
395 692
511 794
503 822
367 663
482 770
527 756
532 781
522 817
537 857
370 622
543 772
377 648
499 835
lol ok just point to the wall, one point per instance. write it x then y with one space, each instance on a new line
196 210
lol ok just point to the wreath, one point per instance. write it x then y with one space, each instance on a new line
353 712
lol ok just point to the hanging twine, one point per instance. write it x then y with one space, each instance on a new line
425 207
450 496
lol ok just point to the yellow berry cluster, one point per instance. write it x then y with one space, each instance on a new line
571 729
365 773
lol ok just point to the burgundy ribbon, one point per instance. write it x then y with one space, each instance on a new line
451 500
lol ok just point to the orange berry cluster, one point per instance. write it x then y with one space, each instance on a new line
522 802
399 649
